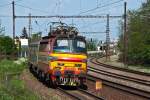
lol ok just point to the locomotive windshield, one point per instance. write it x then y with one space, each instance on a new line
69 46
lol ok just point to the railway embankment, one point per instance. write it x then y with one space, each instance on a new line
17 83
40 89
11 86
114 62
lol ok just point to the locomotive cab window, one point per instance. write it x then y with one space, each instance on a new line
68 45
61 46
79 46
62 43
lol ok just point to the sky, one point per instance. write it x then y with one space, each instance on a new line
66 7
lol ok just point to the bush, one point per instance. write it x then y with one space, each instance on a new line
7 45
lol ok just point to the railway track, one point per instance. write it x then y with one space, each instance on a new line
80 94
76 94
134 85
121 69
139 81
142 79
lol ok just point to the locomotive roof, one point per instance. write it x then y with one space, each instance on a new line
64 36
46 38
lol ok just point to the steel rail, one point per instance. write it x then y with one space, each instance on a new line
133 90
121 87
146 82
77 97
69 94
86 92
122 69
99 71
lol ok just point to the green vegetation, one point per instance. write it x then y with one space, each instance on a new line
24 33
11 87
138 36
91 45
7 45
36 36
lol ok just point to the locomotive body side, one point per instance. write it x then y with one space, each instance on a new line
61 60
43 54
33 53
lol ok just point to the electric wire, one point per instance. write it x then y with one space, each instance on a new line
4 5
5 16
118 1
92 24
32 8
7 4
17 0
105 11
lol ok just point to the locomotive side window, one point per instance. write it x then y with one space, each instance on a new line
33 47
44 46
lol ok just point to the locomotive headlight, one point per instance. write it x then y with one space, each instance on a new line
78 65
57 68
60 64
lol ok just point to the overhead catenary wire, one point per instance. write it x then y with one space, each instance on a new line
5 16
55 8
102 6
44 11
4 5
94 32
32 8
7 4
92 24
106 10
18 0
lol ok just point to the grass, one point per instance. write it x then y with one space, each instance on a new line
11 87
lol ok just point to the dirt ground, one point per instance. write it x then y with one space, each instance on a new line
40 89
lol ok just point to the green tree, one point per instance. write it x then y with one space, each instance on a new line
36 36
138 36
24 33
91 45
2 30
7 45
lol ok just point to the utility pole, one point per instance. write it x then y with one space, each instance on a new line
125 35
107 39
50 29
13 11
30 28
